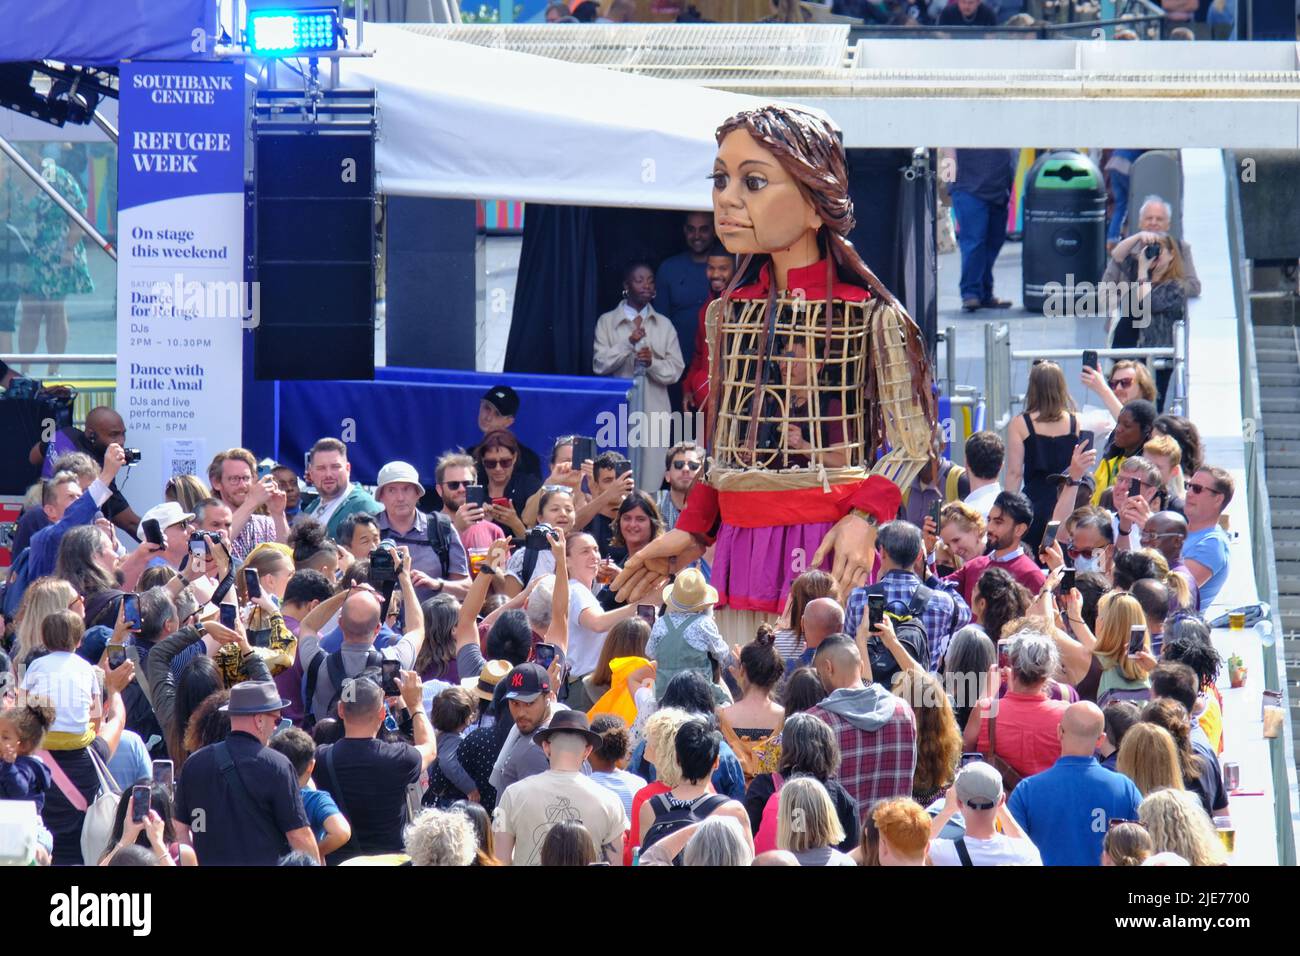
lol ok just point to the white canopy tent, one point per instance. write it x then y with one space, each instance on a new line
468 122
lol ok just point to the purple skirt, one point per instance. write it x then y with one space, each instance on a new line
753 568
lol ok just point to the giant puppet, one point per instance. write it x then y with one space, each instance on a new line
821 405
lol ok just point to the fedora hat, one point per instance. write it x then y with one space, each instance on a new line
485 684
254 697
568 721
689 592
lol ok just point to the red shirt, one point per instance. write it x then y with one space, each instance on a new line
648 792
1027 737
696 381
1021 567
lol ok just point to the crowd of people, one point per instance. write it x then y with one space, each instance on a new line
302 670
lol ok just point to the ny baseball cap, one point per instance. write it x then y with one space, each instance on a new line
978 786
526 682
503 398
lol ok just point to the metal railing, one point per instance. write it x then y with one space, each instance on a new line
1142 16
1261 526
998 358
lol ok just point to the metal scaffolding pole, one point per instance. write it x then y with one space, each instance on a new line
34 175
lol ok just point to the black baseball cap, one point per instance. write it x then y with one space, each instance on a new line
503 398
526 682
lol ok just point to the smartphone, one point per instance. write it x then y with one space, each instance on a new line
501 502
971 758
391 674
1090 359
141 796
164 773
116 656
1004 654
1135 487
253 583
875 610
1049 537
1087 438
934 514
1067 581
284 724
228 615
647 613
475 495
1136 637
584 449
152 533
544 654
131 611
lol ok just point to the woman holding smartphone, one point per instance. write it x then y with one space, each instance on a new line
1123 649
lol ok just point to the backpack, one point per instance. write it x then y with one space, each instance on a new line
100 813
334 665
16 585
668 820
909 625
440 532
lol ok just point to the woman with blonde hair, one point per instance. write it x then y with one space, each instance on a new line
962 533
1128 380
1123 674
660 751
42 598
1040 444
807 824
1149 757
1178 824
938 739
188 492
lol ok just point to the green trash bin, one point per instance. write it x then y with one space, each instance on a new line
1064 237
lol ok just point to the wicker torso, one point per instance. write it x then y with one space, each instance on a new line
864 366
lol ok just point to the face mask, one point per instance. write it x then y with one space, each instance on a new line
1087 564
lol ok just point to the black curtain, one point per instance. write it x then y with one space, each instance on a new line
571 272
554 321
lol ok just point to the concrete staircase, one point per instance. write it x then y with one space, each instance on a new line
1277 350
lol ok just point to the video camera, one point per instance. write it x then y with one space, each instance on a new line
385 564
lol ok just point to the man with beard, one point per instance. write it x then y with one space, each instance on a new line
682 282
681 465
719 268
1009 519
234 480
331 476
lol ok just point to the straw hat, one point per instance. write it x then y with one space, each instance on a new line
689 593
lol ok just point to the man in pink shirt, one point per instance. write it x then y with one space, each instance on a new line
1009 520
1026 718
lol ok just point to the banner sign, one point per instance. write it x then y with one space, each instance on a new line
181 299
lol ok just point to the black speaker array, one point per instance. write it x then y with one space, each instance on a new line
315 246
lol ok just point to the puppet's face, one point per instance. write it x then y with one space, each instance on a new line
757 205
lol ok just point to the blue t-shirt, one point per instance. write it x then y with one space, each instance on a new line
320 806
1067 810
131 764
1209 548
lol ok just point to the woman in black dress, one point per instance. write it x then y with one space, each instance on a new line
1040 444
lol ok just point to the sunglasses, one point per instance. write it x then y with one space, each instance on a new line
680 465
1116 821
1121 383
1082 552
494 464
1201 489
456 485
1152 536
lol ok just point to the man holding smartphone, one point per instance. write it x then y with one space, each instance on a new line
1137 494
439 564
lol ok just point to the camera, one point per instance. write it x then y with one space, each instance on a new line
132 455
201 541
383 565
1151 251
540 536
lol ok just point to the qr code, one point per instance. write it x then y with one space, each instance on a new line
183 466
